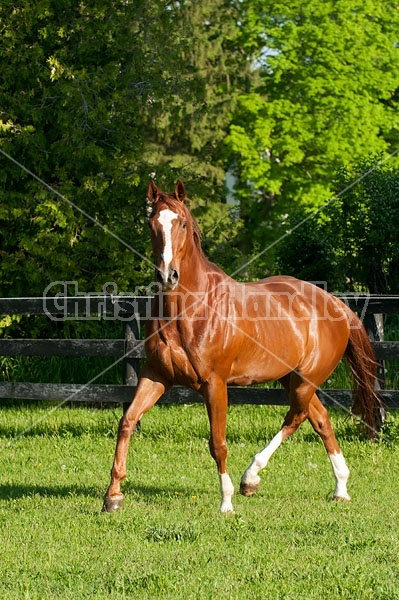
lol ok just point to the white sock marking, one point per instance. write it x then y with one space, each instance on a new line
165 218
261 459
227 491
341 473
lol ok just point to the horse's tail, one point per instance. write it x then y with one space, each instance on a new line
360 356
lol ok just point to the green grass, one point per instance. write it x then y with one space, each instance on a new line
169 541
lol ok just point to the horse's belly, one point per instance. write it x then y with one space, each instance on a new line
263 368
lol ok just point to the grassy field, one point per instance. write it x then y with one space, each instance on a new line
169 541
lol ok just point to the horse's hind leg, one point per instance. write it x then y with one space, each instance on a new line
320 421
250 480
300 393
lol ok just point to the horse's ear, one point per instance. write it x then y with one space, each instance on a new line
180 191
152 192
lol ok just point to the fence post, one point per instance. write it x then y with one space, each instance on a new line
374 324
131 365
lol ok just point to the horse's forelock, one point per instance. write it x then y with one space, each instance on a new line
170 202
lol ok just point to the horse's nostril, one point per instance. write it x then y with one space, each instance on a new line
159 277
174 276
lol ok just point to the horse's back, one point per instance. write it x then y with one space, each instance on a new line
298 325
304 299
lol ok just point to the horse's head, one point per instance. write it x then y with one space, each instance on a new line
171 226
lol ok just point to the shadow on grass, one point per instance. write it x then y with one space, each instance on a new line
140 492
62 430
13 492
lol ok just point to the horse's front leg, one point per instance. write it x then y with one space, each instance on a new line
150 388
215 394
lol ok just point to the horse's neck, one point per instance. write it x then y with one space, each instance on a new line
194 271
196 282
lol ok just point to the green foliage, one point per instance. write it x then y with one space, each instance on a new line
327 96
308 252
363 223
98 97
352 244
95 98
220 227
63 119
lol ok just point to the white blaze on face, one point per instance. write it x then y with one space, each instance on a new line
165 219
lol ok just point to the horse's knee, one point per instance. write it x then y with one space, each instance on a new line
218 450
125 427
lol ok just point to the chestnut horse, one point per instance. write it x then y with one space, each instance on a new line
208 331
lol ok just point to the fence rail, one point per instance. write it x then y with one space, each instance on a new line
130 310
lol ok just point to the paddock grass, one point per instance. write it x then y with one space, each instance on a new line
169 541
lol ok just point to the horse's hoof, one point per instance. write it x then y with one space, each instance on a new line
248 489
346 498
112 503
226 508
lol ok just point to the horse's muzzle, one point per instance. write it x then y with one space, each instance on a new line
168 280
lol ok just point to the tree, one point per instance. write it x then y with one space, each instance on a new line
190 113
68 115
353 244
96 98
327 96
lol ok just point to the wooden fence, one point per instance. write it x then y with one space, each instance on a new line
129 349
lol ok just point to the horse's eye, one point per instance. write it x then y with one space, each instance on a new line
184 224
